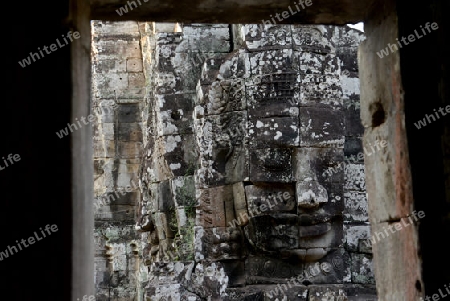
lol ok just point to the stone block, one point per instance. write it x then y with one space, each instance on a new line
109 66
128 113
106 85
123 213
214 205
212 62
321 126
239 196
134 64
355 177
164 27
99 247
288 291
136 80
235 270
109 28
180 154
330 292
225 130
227 95
189 66
265 270
104 112
183 191
118 198
101 276
259 37
249 292
352 147
170 291
129 150
164 226
168 83
350 84
155 166
130 93
310 194
351 91
174 122
273 233
313 63
107 131
165 102
118 49
163 198
271 165
131 132
359 292
207 38
365 246
123 293
356 236
326 270
209 280
270 62
267 89
264 199
224 166
346 36
321 88
105 149
236 67
118 174
321 164
222 243
240 205
274 132
311 38
362 269
280 107
352 119
128 101
314 197
356 207
102 294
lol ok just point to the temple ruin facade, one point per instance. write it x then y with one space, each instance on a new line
229 163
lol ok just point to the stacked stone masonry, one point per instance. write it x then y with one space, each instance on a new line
235 142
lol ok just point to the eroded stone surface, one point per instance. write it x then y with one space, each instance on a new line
234 199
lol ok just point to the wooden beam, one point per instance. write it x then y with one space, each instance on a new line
332 12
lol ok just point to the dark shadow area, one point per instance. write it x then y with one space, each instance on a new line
36 190
424 64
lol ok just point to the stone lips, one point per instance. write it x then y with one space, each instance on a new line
306 243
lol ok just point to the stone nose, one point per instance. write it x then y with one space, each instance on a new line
310 194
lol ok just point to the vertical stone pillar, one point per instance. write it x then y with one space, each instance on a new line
388 175
82 170
118 89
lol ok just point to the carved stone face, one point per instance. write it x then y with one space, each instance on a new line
299 219
265 128
267 125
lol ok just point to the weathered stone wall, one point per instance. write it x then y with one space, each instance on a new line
356 220
200 127
118 90
168 207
